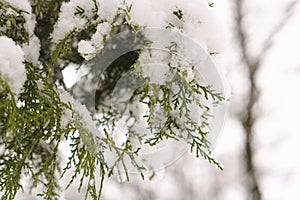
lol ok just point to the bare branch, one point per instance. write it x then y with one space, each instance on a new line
241 34
253 64
267 45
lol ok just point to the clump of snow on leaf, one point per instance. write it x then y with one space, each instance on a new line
102 33
22 5
191 18
197 22
88 49
143 13
108 9
70 18
11 63
32 49
85 116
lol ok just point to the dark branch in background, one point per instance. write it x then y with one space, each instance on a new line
254 64
248 122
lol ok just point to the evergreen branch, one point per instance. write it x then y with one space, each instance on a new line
198 146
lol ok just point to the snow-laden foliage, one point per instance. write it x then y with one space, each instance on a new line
12 67
141 85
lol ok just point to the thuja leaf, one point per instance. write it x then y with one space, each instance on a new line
178 13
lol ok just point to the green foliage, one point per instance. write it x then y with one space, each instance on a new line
31 129
30 147
46 12
211 4
13 23
178 13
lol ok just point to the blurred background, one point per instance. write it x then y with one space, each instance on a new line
259 142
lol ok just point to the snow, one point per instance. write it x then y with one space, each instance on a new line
108 9
89 49
31 50
197 21
85 115
66 98
70 75
103 30
143 8
11 64
86 49
68 20
22 5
